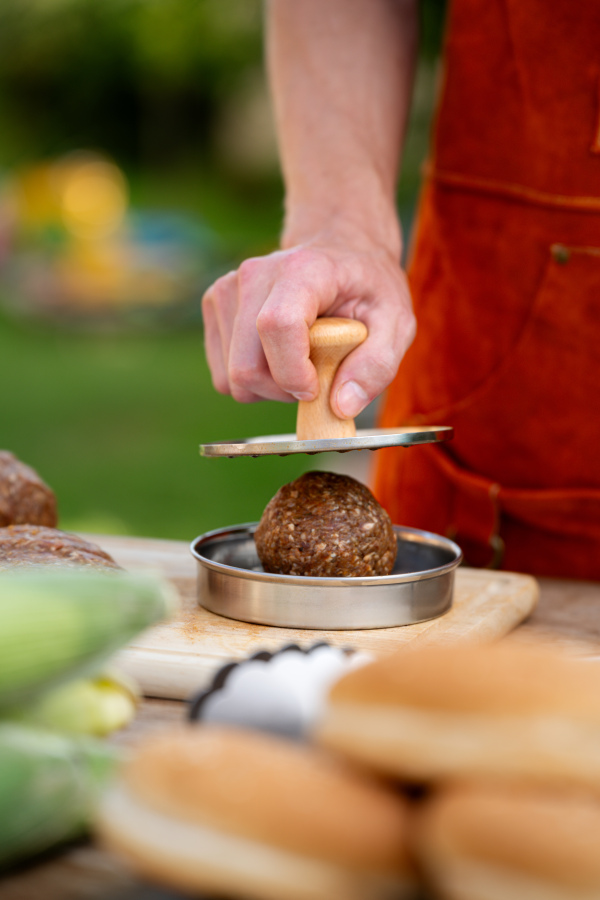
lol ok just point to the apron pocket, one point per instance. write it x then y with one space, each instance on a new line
534 423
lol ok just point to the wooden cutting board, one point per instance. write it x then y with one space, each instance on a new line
178 658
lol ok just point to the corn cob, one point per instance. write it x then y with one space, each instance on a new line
49 785
85 706
55 625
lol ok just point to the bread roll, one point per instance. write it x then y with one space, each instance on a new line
507 710
483 842
244 814
34 545
24 497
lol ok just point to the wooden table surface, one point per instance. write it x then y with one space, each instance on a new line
568 613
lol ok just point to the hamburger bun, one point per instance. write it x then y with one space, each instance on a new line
244 814
485 842
505 710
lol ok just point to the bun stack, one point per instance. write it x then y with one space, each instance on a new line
237 813
506 738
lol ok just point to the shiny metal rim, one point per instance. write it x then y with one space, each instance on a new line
406 534
286 444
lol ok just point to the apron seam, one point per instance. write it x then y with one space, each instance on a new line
513 190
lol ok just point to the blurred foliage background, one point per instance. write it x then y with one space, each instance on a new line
138 162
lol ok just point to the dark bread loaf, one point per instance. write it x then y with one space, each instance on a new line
34 545
24 498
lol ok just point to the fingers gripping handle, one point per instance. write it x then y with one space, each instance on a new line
331 340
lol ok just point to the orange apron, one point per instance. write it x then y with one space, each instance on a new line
505 276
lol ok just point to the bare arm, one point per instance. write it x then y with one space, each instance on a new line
341 122
341 73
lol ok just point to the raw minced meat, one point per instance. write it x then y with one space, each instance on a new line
325 525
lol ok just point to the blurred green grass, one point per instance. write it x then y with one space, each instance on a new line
113 423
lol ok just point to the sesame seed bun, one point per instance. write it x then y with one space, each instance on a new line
245 814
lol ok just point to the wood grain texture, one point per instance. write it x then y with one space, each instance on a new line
568 614
178 658
331 340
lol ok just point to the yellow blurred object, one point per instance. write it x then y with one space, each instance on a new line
84 192
101 273
81 249
87 706
93 198
34 196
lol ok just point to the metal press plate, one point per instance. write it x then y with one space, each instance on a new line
286 444
232 583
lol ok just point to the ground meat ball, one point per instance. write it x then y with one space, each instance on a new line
325 525
31 545
24 498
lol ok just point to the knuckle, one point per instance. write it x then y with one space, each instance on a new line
298 259
274 320
242 377
248 270
221 288
307 264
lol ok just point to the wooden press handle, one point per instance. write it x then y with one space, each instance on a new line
331 340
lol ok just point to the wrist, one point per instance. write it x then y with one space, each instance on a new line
350 228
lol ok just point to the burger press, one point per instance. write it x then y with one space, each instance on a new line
318 430
231 581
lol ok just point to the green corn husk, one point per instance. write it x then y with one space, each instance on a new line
49 786
85 706
56 625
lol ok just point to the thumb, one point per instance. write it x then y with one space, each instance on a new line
350 399
370 368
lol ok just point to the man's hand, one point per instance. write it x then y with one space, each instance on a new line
257 320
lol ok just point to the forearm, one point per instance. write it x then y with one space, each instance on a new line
341 73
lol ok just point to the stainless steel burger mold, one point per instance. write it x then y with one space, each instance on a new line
232 583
